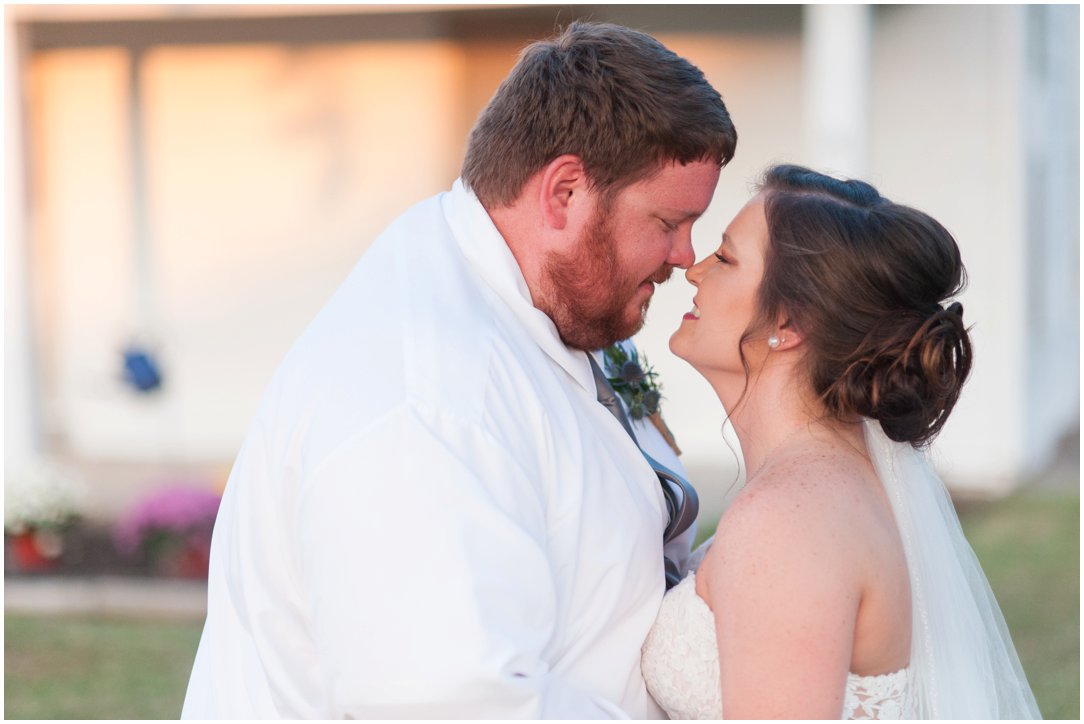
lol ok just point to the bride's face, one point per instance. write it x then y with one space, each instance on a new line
725 302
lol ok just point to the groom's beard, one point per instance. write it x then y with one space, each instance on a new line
588 296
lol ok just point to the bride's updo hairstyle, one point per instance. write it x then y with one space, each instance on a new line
864 280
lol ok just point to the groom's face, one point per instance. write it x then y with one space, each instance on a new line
599 292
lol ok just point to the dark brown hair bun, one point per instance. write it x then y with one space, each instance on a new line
909 384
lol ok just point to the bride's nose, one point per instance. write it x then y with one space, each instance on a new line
696 272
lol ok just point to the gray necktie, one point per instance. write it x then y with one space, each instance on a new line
606 395
682 503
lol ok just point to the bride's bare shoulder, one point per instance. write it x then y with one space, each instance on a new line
814 477
809 506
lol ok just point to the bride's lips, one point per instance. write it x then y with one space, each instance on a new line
694 314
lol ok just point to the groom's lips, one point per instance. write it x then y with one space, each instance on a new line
661 276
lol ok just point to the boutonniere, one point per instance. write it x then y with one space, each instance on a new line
629 378
637 383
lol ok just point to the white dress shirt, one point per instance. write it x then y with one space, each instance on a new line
432 516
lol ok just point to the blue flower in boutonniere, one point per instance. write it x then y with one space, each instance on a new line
633 379
637 384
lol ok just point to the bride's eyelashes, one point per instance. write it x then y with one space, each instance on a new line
722 258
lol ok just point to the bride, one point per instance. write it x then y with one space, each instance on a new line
838 583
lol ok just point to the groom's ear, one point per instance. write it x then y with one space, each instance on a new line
563 194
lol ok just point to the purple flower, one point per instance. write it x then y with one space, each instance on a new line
181 513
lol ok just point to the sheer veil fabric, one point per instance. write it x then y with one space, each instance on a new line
963 663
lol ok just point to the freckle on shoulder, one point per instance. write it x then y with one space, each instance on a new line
813 479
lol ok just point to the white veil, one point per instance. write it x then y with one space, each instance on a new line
963 663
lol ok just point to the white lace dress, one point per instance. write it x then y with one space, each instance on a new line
681 666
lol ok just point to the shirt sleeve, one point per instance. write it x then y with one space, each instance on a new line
424 562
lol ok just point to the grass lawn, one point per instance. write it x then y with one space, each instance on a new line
67 668
75 668
1029 546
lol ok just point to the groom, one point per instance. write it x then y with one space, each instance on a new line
433 516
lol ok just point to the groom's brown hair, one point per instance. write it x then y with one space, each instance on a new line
615 97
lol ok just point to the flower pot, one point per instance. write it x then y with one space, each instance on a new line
35 551
182 562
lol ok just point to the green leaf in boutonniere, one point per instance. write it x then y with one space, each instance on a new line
633 379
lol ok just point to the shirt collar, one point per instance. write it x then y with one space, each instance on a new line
488 254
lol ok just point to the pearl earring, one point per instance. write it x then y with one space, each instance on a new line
773 341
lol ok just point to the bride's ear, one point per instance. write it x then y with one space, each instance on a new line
563 190
788 335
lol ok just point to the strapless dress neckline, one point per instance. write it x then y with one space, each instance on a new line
681 666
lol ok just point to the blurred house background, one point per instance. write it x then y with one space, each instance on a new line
191 183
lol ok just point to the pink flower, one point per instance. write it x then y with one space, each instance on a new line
179 514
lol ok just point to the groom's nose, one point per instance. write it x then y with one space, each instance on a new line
681 250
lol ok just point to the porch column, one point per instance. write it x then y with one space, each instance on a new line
836 48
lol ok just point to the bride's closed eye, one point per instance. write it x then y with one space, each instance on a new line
722 258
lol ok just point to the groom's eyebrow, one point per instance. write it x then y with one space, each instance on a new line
682 215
